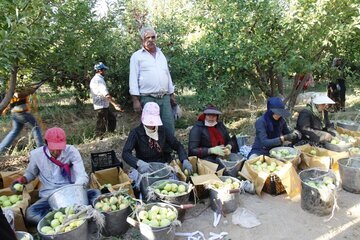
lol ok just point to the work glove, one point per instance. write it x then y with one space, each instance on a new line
227 150
17 185
186 165
218 150
143 167
333 132
292 136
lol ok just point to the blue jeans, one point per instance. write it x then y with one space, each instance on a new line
41 207
18 122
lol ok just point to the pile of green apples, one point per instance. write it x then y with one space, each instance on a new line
347 138
259 166
170 189
327 183
282 154
228 184
342 141
56 222
9 201
355 150
112 203
157 216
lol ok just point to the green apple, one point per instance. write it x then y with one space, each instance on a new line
54 223
143 214
164 222
181 188
46 229
168 187
18 187
13 198
57 215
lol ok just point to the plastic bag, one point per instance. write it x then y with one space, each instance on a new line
245 218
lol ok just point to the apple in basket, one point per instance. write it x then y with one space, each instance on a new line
327 183
265 167
112 203
58 218
10 201
229 184
157 216
170 189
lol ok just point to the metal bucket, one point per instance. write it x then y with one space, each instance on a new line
23 235
350 125
147 180
69 195
338 148
157 233
79 233
311 199
228 201
293 151
233 167
177 199
350 174
112 220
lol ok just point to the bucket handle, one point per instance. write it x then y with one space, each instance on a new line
234 191
132 221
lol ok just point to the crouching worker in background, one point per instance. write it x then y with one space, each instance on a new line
149 139
209 138
314 124
57 164
271 129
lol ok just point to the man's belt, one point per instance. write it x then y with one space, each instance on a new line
158 95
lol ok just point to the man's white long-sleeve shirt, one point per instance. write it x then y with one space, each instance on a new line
50 174
148 74
98 91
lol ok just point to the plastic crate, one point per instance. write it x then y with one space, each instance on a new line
104 160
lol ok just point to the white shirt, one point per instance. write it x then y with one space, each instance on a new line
148 74
98 92
50 174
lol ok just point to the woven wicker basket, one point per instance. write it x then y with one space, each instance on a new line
273 185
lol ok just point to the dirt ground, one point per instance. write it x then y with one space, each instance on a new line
280 217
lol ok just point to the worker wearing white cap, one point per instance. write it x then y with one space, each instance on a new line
313 121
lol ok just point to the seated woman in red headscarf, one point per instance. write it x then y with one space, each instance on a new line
209 138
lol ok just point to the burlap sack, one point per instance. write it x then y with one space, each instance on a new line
287 174
19 209
115 176
323 159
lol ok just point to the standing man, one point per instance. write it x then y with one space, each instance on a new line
101 97
150 79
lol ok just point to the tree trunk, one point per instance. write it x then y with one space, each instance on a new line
296 89
11 89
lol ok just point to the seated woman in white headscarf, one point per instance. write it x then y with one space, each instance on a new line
313 122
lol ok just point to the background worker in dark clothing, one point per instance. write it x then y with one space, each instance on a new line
149 139
5 229
338 65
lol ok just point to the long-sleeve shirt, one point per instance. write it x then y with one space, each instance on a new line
98 91
311 126
139 141
263 143
199 140
50 174
149 75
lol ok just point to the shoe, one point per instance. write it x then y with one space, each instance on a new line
247 186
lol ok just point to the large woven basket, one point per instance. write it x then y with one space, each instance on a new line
273 185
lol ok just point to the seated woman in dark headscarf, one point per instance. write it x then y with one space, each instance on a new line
209 138
313 122
271 129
